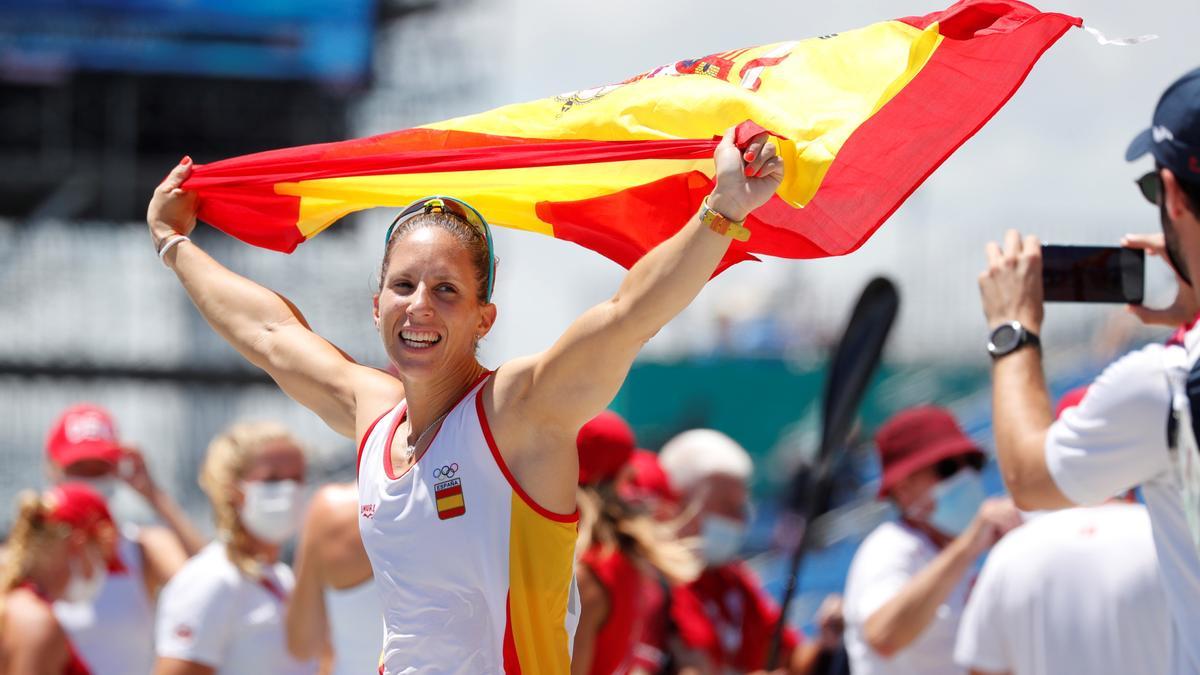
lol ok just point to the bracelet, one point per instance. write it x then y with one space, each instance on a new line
722 225
170 243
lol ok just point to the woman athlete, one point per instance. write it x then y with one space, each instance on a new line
467 477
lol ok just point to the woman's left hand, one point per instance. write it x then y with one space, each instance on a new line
745 180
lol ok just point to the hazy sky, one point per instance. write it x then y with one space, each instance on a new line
1051 161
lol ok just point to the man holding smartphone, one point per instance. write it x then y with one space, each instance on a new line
1134 426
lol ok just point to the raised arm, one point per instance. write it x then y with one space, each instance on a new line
1011 290
262 325
582 372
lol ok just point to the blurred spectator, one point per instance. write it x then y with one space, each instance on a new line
624 552
224 611
114 632
908 582
1135 426
647 485
1073 591
830 621
57 550
724 617
335 595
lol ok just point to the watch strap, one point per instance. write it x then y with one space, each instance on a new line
723 226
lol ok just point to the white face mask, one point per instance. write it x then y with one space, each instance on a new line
956 501
721 539
83 589
270 510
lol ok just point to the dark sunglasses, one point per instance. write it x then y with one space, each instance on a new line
455 207
951 465
1151 187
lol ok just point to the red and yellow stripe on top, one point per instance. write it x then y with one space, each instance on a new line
861 119
540 561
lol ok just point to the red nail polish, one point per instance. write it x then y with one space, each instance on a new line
186 160
749 156
749 172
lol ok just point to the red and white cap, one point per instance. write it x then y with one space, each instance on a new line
82 432
77 506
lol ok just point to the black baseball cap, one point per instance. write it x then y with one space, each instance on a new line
1174 138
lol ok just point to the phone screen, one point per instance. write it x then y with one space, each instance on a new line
1093 274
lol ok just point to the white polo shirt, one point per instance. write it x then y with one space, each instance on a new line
1072 591
212 614
1115 440
885 562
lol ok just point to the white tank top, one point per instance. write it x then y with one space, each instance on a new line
474 576
114 635
356 627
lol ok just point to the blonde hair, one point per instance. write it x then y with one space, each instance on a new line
608 521
224 465
32 534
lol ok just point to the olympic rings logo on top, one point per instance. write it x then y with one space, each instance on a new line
445 471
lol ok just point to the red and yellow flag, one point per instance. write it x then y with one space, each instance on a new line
861 118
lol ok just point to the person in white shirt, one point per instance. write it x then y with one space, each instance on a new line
1134 426
113 632
335 607
1071 591
1076 590
224 611
908 581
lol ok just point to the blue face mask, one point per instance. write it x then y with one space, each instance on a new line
956 501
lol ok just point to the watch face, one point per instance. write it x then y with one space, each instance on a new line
1005 338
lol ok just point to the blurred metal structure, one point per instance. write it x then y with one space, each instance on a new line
86 310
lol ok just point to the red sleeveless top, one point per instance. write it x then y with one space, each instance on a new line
630 592
75 665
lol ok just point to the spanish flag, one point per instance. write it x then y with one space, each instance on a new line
861 118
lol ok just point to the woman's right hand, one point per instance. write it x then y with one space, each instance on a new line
172 210
745 179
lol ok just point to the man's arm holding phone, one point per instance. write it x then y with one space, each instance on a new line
1011 290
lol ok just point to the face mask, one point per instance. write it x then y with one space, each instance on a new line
721 539
83 589
270 511
106 486
956 500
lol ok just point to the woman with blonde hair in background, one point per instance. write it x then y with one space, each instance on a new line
624 552
224 611
56 550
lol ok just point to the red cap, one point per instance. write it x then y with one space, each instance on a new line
918 438
605 444
1070 400
78 506
82 432
648 478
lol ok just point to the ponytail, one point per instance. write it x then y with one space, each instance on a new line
609 521
30 534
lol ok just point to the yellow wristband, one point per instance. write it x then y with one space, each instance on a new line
722 225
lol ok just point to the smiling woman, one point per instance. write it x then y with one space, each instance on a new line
470 527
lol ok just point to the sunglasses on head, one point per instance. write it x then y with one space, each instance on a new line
1151 187
459 209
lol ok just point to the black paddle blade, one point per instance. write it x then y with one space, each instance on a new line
855 359
854 362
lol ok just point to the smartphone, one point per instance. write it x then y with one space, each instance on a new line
1093 274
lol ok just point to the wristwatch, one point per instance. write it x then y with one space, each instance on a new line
1009 337
723 226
